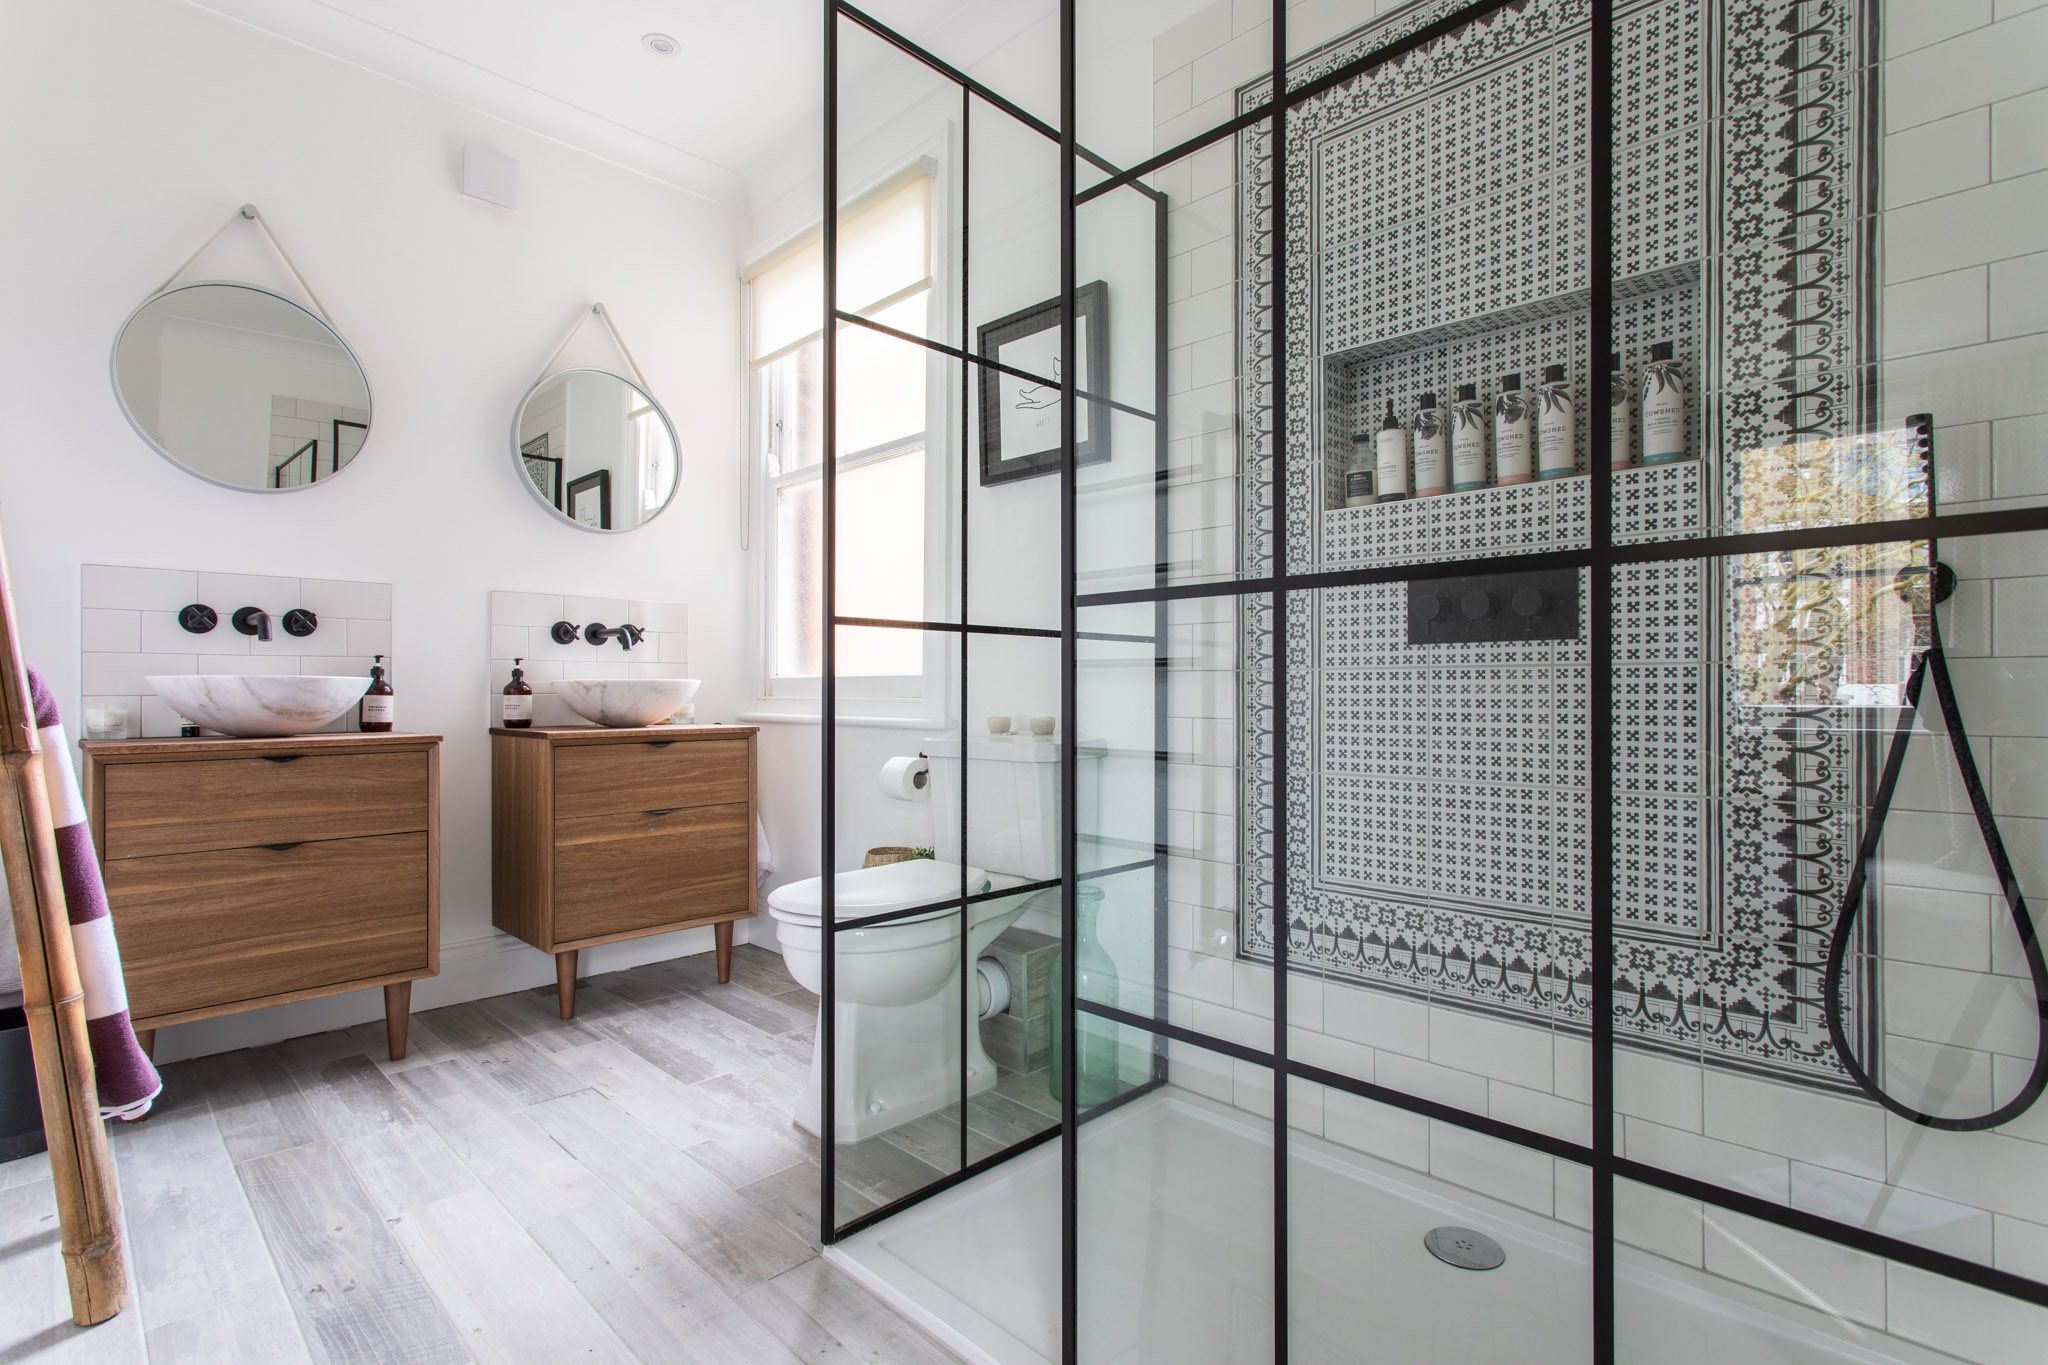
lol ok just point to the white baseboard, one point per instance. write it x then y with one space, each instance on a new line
471 969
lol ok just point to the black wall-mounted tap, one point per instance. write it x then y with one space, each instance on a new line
251 621
627 635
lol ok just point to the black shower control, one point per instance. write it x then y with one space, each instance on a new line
299 621
1490 608
564 633
198 618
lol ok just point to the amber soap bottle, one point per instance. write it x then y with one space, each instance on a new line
516 711
379 708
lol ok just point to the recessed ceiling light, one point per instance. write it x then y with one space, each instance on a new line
660 44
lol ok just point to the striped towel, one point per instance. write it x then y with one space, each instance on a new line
128 1084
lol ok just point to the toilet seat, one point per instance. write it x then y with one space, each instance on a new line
877 891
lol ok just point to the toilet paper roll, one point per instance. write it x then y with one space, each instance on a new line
906 779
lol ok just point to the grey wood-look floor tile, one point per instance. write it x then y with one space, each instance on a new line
1032 1089
743 996
634 985
649 1094
753 965
659 1302
1004 1120
423 1046
935 1140
824 1315
879 1172
649 1035
356 1296
35 1305
510 1302
194 1247
314 1051
255 1101
523 1071
538 1019
393 1150
769 1013
726 1039
262 1333
751 1133
520 1164
693 1208
790 1196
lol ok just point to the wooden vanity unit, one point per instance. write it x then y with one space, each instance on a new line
599 835
253 872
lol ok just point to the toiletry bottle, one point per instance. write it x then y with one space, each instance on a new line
516 710
1468 439
378 708
1514 434
187 729
1432 467
1663 407
1621 412
1557 437
1392 461
1360 488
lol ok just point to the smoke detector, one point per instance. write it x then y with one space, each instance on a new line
660 44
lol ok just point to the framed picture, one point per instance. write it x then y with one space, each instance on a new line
1020 415
590 499
544 469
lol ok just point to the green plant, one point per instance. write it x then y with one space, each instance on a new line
917 853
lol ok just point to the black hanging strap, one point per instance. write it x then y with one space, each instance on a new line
1933 663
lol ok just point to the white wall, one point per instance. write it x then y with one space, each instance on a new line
151 123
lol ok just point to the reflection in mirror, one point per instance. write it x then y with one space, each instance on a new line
596 449
242 386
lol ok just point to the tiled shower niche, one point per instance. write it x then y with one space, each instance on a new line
1437 795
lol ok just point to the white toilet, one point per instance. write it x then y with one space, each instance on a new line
898 983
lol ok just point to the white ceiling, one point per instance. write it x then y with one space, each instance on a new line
745 79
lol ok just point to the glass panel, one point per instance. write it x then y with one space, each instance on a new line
1371 1188
1182 502
1176 1217
1197 55
1699 1285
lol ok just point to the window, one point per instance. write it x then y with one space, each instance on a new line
884 420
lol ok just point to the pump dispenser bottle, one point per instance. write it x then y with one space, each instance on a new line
379 708
1468 440
1663 407
1557 436
1514 434
516 710
1360 477
1432 469
1393 457
1621 413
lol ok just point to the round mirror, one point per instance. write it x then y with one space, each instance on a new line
242 386
596 449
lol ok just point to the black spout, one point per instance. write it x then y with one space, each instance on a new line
251 621
626 635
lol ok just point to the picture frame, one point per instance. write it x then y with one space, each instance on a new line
590 499
543 469
1020 418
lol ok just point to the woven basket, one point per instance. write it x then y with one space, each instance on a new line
893 854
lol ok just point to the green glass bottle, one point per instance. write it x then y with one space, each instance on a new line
1097 1052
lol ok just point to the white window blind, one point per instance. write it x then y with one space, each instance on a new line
885 251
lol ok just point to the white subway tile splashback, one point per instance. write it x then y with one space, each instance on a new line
521 625
138 608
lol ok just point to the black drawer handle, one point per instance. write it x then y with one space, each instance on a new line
665 810
659 743
282 758
284 848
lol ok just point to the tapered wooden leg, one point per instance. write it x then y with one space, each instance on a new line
397 1015
146 1037
565 982
724 933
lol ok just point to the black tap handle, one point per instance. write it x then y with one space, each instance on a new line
563 632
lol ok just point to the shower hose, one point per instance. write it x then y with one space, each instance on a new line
1933 664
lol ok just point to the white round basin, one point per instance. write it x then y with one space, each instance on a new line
254 707
622 702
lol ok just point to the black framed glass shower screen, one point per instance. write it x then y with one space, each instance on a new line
990 617
1741 549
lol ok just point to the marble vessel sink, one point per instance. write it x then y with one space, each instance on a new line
621 702
253 707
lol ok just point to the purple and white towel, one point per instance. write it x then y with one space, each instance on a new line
128 1083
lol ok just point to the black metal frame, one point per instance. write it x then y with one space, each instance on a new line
334 458
1601 557
535 452
601 480
1091 303
311 450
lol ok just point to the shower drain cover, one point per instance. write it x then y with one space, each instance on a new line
1465 1248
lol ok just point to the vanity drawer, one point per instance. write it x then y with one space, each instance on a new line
648 775
203 930
617 874
227 803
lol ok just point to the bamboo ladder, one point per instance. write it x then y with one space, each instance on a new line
88 1207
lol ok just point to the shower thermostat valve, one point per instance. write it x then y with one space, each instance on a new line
1543 605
